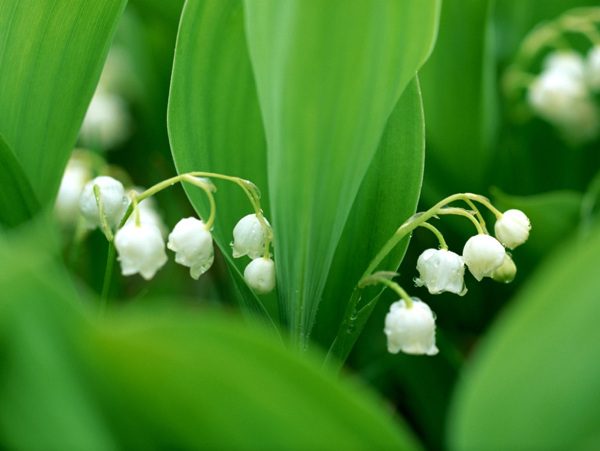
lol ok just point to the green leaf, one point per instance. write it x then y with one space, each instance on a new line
51 54
533 383
387 197
17 200
159 380
214 121
45 402
190 382
328 76
458 85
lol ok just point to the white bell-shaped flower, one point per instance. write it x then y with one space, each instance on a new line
512 229
556 95
441 270
260 275
141 249
107 122
113 200
483 254
566 61
193 245
593 68
249 237
410 330
76 175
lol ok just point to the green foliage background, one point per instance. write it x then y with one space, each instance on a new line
320 107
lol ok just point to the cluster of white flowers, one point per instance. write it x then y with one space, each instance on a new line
140 243
410 327
563 93
249 238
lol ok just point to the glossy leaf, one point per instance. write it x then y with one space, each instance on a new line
51 54
387 197
533 383
458 85
17 200
214 120
328 76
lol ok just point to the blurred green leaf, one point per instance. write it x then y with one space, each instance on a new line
328 76
45 403
164 379
192 381
533 383
51 58
214 121
388 195
458 84
17 200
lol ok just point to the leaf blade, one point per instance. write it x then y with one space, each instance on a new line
51 58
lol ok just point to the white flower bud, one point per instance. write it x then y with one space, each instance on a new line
249 237
113 200
260 275
76 175
556 95
141 250
566 61
107 121
410 330
593 68
483 254
193 245
512 229
441 270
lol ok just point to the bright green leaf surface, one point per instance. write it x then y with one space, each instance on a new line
458 86
328 76
387 197
51 54
214 119
17 200
533 383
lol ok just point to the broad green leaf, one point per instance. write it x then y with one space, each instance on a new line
214 120
458 85
207 381
51 54
328 76
533 382
45 403
387 197
160 380
18 203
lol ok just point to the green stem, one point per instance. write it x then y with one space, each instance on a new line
390 284
110 261
437 233
466 214
248 187
419 219
209 194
